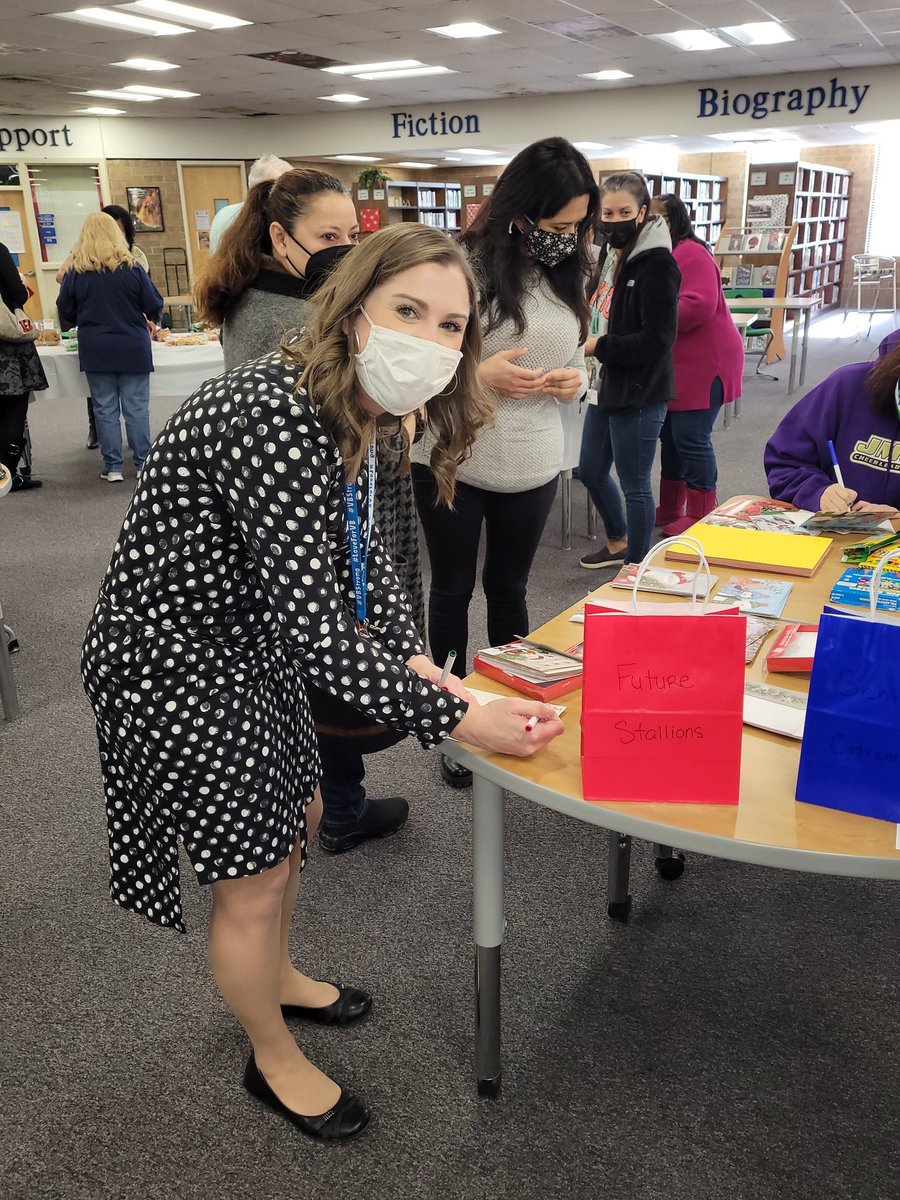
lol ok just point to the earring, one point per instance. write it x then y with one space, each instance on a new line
453 389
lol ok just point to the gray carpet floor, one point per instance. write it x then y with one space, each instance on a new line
737 1038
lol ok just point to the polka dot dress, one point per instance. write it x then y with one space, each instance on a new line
229 586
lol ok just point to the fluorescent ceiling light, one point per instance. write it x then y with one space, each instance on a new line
588 146
204 18
693 39
416 165
607 75
757 33
753 135
464 29
97 111
345 98
355 158
112 94
114 19
877 127
451 158
146 64
400 65
470 150
407 74
139 89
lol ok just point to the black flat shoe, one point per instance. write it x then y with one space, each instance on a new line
381 819
351 1004
454 773
24 483
344 1120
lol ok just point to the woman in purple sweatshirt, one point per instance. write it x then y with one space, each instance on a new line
858 409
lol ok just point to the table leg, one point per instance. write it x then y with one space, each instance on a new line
806 319
488 911
618 899
795 337
8 697
566 492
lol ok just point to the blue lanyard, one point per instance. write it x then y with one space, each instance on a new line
359 560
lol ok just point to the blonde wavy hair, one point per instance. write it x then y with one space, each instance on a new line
326 361
101 245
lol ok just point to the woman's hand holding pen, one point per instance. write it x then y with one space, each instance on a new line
428 670
500 374
508 726
836 499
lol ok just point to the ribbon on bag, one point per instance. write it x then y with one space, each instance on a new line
663 692
850 755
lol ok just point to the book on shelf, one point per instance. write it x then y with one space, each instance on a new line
669 582
764 277
761 597
735 243
775 239
794 648
754 243
774 709
743 275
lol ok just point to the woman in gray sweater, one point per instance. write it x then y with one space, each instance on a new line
273 256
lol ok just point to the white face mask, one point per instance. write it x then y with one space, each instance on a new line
401 372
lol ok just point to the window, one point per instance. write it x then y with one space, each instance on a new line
63 196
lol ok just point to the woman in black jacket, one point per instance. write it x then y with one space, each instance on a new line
20 374
635 321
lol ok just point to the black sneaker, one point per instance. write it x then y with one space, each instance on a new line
381 819
603 558
24 483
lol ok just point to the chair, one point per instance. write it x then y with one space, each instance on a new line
871 271
760 326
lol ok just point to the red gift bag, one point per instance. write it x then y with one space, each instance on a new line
663 696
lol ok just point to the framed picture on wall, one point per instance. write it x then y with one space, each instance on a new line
145 207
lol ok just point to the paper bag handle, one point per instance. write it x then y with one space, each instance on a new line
702 566
875 583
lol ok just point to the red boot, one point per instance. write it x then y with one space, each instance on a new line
699 505
672 498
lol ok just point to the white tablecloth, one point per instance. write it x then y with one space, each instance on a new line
178 371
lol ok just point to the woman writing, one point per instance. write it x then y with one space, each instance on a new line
110 298
247 567
857 410
709 365
529 245
636 305
288 235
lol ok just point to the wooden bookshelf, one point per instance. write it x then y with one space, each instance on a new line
704 196
818 202
748 257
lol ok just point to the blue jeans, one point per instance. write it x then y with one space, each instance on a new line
686 443
627 439
130 395
344 800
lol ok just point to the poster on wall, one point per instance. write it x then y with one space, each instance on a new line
145 206
767 210
11 233
201 219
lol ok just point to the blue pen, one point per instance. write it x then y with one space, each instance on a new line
834 462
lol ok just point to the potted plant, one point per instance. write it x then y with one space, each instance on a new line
373 177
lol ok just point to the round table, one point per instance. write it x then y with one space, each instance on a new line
178 370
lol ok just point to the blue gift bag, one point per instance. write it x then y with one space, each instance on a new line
850 756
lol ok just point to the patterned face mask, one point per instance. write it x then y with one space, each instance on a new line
550 248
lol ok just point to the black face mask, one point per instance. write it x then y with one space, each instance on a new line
320 264
619 233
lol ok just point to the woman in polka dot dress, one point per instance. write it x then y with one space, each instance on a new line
247 565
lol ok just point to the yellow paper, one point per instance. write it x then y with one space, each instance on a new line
778 552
